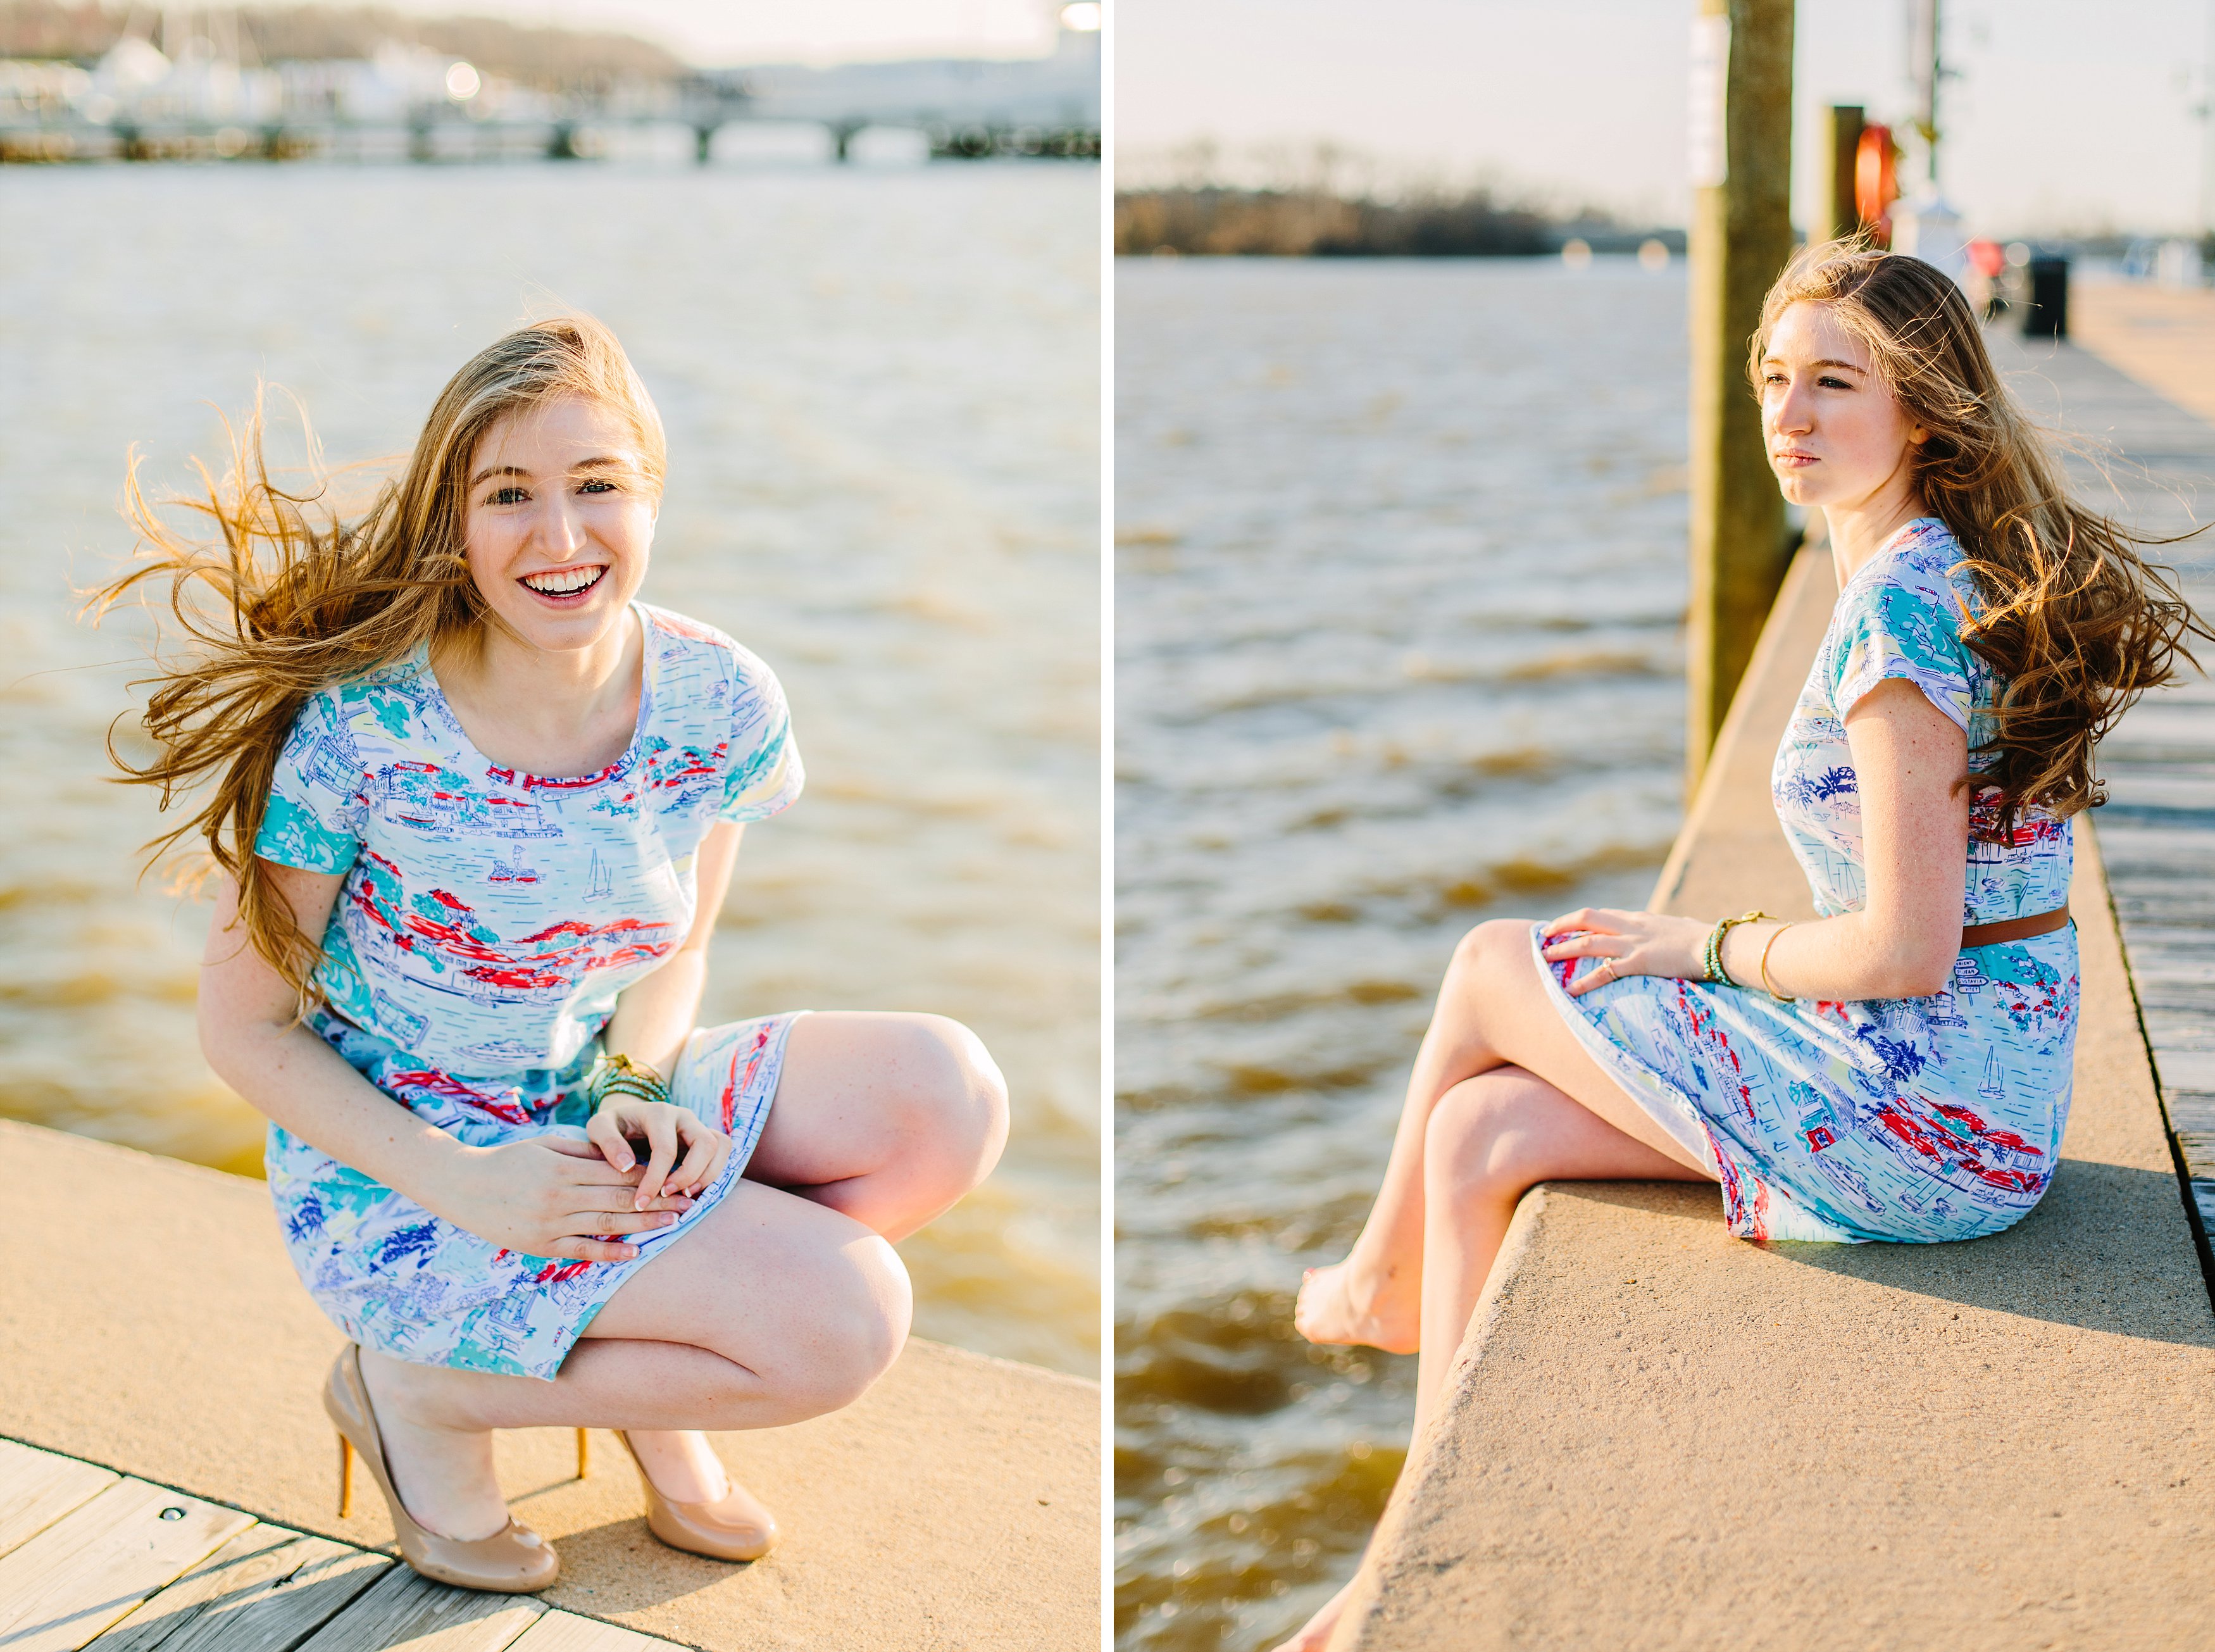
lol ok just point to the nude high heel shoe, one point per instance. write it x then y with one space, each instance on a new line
514 1560
735 1527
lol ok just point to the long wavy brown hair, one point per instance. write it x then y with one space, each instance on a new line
278 595
2075 623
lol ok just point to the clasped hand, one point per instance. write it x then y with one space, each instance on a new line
1640 943
556 1196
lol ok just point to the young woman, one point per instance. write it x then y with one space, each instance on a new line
475 808
1898 1069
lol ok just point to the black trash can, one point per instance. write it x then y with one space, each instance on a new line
2046 298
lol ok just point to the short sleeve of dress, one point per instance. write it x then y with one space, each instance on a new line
1894 624
312 819
764 775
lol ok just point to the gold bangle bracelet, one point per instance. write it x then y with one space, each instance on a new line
1781 997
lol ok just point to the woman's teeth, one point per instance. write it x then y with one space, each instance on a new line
561 582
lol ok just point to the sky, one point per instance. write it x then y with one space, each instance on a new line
716 33
2067 115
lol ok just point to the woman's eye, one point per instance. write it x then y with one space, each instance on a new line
1829 384
507 496
597 485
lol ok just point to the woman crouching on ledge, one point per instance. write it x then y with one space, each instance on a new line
476 809
1898 1069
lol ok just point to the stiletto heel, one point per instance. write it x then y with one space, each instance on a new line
584 1452
514 1560
734 1527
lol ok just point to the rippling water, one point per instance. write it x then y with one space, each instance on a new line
881 393
1399 592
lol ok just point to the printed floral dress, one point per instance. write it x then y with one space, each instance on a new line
1904 1119
488 921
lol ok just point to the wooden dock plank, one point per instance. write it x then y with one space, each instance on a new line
79 1575
38 1488
565 1631
403 1610
266 1590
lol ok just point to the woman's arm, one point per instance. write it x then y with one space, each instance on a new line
542 1198
1909 761
654 1016
653 1019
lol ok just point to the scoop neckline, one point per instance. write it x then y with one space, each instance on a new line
518 777
1890 546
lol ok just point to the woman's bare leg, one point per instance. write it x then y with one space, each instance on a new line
1487 1141
784 1302
1493 1009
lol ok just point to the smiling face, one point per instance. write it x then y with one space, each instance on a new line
1836 437
558 521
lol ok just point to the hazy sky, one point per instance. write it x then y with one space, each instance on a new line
716 33
2069 113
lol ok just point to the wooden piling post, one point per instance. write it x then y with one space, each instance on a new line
1842 143
1741 234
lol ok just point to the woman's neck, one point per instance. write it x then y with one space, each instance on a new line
1859 531
534 707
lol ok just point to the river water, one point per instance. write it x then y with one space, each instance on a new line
1399 597
881 391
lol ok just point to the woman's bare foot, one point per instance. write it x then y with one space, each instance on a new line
683 1467
1340 1306
444 1475
1316 1632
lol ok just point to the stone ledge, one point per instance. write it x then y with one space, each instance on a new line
1655 1436
150 1321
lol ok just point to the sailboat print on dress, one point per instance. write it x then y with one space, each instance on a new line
599 885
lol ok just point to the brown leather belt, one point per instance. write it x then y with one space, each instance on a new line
2015 929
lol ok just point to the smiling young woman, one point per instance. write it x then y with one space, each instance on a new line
1899 1068
475 808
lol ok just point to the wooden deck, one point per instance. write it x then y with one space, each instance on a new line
92 1558
2138 348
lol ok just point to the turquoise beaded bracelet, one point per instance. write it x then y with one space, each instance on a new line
618 1075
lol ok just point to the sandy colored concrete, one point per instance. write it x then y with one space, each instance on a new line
1656 1435
150 1321
2163 337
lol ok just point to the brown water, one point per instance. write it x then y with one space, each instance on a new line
1399 590
882 389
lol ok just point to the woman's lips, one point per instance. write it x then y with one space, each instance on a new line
567 599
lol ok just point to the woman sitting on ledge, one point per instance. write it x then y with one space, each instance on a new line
1898 1069
477 810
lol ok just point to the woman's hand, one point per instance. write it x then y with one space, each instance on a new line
665 1128
551 1196
1638 943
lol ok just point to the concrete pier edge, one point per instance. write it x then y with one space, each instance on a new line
1656 1435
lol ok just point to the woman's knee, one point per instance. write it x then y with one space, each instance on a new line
953 1100
846 1304
1481 1138
1492 946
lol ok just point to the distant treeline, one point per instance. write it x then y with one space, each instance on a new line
1294 223
83 30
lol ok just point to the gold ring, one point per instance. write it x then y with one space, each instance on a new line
1608 969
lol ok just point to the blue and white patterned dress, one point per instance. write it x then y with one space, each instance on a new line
1903 1119
487 923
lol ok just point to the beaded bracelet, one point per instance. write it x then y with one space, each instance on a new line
618 1075
1712 961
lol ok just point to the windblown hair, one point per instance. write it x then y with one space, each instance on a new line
2075 623
279 596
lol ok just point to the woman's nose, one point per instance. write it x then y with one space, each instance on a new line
559 526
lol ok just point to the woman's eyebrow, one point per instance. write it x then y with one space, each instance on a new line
498 470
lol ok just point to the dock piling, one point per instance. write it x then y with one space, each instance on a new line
1741 234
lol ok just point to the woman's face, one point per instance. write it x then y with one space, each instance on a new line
1835 435
558 521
